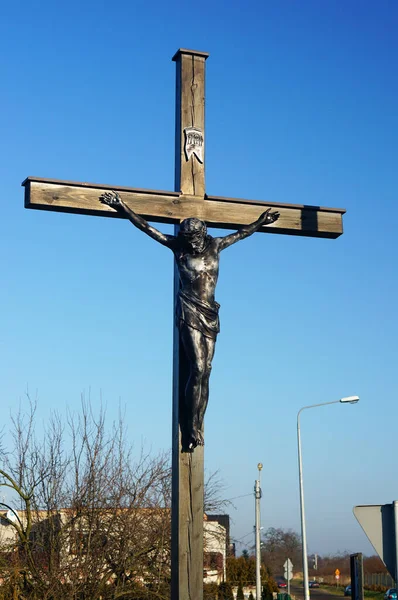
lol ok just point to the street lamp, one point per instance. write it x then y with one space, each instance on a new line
346 400
257 528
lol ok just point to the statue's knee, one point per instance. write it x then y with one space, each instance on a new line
198 370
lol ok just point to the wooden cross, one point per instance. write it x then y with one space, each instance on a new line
188 200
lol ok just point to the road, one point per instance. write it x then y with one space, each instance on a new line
315 593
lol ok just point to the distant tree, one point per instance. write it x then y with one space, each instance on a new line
225 591
268 588
373 564
229 595
210 591
329 563
246 554
240 595
251 597
221 591
242 571
278 545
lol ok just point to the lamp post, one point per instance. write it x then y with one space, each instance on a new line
347 400
257 527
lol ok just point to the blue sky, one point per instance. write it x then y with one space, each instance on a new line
308 92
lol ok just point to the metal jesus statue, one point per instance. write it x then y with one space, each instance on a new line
197 255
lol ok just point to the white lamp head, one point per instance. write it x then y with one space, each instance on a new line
350 399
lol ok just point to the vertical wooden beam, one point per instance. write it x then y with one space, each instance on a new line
190 112
188 468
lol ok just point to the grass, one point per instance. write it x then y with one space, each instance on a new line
340 592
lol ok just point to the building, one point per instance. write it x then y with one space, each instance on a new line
82 543
215 550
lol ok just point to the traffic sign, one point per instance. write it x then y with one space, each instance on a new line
379 523
337 573
288 566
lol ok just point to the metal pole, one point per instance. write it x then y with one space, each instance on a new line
348 400
257 494
395 505
302 514
356 568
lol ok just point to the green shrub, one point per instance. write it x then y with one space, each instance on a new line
225 591
210 591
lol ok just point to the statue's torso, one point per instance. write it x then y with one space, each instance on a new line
199 272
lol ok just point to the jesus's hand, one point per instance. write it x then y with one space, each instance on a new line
111 199
269 217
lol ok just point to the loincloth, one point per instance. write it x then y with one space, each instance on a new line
198 315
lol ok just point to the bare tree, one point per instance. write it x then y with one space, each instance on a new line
214 490
87 516
278 545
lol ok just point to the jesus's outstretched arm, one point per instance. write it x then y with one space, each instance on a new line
113 200
266 218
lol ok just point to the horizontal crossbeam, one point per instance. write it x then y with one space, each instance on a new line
173 207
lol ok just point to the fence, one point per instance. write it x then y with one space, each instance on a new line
384 579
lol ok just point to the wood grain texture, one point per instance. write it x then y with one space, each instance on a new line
172 207
192 114
188 471
181 51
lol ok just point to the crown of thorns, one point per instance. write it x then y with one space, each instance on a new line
192 226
